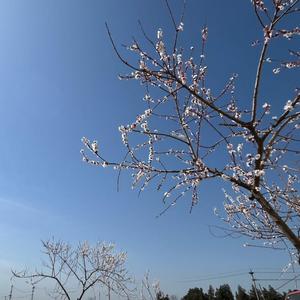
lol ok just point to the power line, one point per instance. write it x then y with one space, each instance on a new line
213 278
237 273
274 272
288 282
275 279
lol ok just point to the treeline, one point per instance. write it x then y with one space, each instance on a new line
224 292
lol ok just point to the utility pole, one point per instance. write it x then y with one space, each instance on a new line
10 293
108 291
254 284
32 292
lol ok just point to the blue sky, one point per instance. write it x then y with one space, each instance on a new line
58 82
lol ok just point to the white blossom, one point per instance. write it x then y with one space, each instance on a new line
259 173
180 26
94 146
267 108
288 106
159 34
204 33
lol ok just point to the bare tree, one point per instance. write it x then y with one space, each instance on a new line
85 266
150 289
191 132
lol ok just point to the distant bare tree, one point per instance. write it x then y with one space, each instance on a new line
86 266
150 290
190 132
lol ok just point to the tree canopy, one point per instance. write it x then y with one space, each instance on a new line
191 132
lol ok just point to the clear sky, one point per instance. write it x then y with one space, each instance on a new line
58 82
